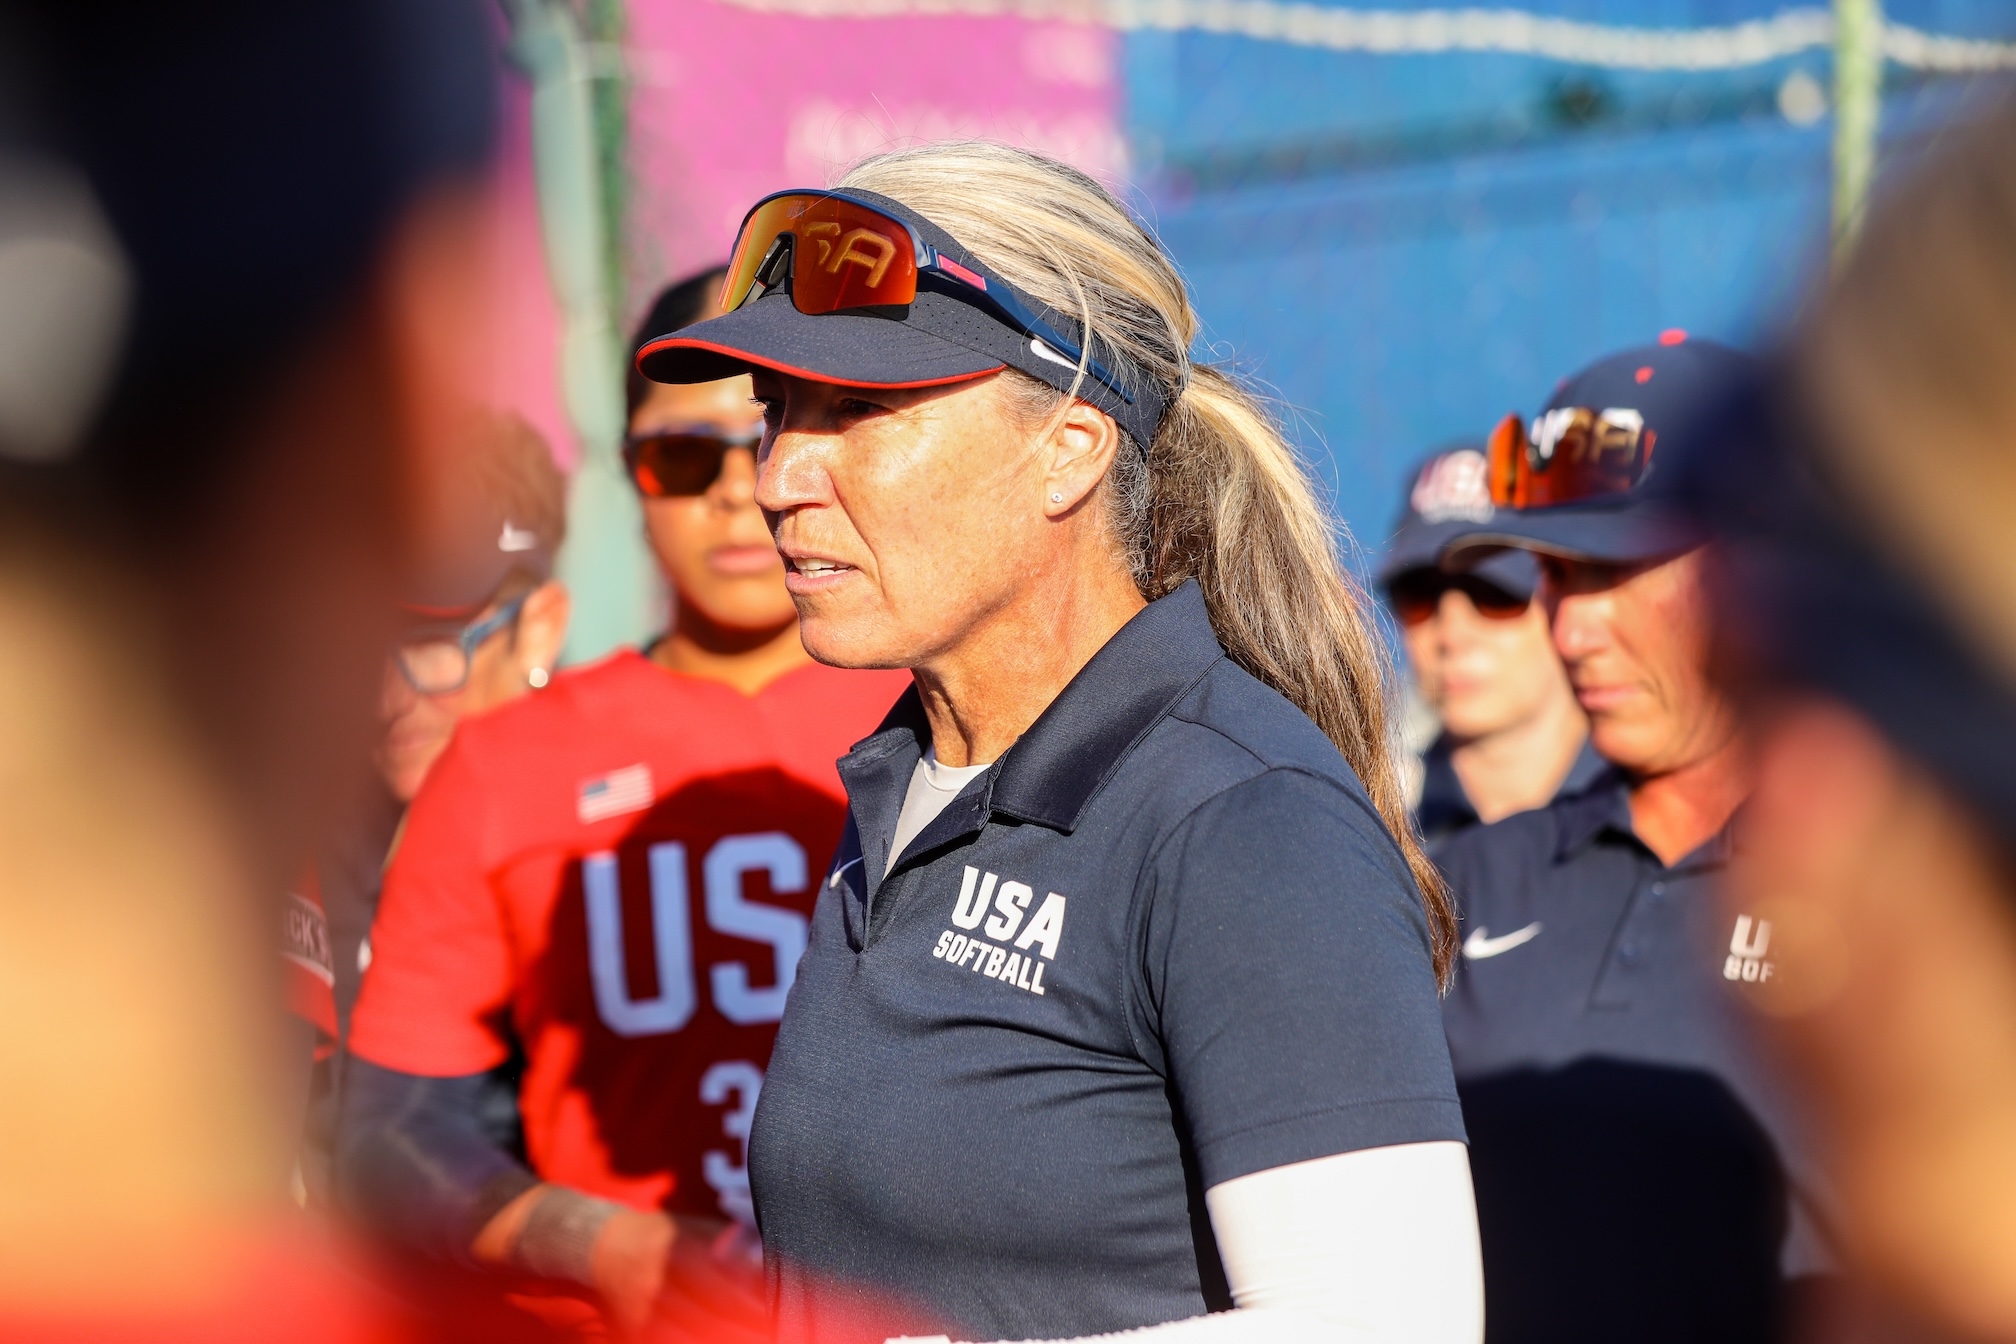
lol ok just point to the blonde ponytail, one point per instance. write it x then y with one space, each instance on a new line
1220 495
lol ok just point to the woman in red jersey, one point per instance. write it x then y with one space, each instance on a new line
611 877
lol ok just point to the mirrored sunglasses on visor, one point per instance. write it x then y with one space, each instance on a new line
840 252
1571 455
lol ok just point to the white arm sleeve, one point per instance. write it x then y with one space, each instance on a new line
1381 1243
1377 1246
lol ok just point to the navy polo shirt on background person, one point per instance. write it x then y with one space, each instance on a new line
1445 809
1639 1173
1165 941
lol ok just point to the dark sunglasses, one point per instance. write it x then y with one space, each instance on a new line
681 462
840 252
1571 454
1416 596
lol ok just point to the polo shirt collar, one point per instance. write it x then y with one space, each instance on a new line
877 773
1605 806
1070 751
1058 765
1444 806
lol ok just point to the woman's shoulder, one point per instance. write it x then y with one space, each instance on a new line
1233 718
1233 761
1275 826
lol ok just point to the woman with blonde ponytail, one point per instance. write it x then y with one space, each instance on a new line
1118 1004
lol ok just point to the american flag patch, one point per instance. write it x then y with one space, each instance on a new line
613 794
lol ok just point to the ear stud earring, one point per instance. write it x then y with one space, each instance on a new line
1056 499
536 678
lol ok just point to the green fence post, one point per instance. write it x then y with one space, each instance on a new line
1858 104
605 562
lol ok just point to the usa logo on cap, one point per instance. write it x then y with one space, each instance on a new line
1453 488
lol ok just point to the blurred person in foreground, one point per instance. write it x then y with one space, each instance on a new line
483 623
1865 496
1512 736
238 248
611 877
1639 1174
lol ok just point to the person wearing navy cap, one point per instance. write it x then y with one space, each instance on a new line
1512 736
1639 1173
1118 1002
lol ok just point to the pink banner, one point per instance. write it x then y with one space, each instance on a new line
730 103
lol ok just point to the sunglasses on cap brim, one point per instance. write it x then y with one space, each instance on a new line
1571 455
840 253
1416 596
679 463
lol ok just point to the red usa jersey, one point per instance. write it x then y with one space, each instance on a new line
618 871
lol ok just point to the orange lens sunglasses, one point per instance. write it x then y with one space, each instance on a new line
1573 454
845 255
842 253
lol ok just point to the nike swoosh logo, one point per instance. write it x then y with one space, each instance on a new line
1480 944
1041 349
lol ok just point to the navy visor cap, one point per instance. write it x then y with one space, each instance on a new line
1450 498
1673 387
937 339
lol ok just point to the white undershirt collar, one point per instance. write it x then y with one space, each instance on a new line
933 786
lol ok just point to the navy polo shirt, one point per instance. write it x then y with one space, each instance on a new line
1445 808
1640 1173
1165 941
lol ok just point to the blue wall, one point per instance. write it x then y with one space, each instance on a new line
1406 248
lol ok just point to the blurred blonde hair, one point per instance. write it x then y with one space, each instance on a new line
1908 364
1219 496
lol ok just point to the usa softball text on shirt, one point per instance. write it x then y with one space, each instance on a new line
1040 934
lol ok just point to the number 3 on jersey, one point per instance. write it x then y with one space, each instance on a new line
728 911
739 1082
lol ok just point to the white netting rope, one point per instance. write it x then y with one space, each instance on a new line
1425 31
